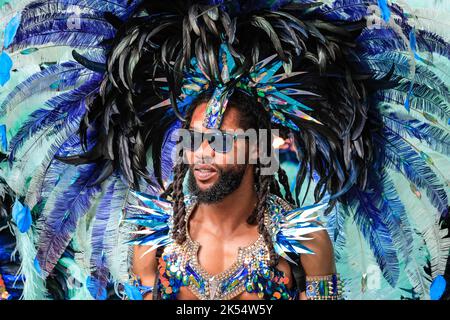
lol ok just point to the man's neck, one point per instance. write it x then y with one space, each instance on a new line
230 214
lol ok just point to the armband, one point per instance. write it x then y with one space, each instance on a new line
323 287
136 281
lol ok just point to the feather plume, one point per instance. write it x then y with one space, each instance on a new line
404 158
60 223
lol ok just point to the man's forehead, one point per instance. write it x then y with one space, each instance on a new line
230 119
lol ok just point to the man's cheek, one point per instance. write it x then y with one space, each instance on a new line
189 157
226 159
222 159
253 154
241 153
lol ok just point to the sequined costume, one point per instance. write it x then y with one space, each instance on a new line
251 272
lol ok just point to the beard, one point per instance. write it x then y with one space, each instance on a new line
229 180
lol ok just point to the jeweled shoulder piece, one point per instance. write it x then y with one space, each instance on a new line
290 227
155 221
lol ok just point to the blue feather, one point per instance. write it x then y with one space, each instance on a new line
132 292
101 273
120 8
413 44
56 169
101 218
37 267
61 222
76 39
169 145
38 120
349 10
3 139
437 287
405 159
376 41
21 215
11 29
96 289
375 230
107 207
67 72
69 22
394 215
433 43
65 110
421 40
405 125
385 11
424 99
335 227
5 68
381 63
74 104
61 24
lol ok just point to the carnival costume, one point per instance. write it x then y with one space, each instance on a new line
178 265
92 90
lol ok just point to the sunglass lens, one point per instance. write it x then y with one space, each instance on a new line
220 142
192 141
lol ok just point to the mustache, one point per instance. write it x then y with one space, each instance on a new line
203 161
204 164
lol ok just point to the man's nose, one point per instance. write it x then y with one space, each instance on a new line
204 153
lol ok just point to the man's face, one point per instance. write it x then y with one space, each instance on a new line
214 174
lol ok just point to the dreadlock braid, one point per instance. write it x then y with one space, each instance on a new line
176 189
282 176
263 195
179 209
275 188
265 182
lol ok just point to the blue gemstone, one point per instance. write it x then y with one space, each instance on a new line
321 288
192 271
437 288
334 282
241 272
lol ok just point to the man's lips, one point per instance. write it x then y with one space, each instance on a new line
204 172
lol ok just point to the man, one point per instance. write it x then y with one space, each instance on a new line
349 90
229 197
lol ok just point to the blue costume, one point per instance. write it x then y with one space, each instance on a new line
178 265
91 91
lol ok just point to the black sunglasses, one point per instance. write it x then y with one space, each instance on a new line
219 141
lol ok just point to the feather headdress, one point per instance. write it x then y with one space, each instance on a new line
92 89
